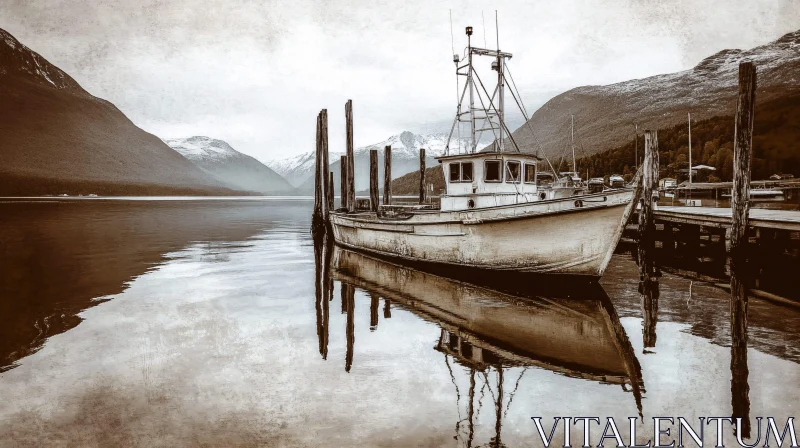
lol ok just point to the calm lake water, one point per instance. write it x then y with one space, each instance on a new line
204 323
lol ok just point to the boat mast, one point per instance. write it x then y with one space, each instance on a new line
471 90
500 86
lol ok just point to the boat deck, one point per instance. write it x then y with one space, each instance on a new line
721 217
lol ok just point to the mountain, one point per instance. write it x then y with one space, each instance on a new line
229 166
299 170
776 146
605 115
57 138
408 184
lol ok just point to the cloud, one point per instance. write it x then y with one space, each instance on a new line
255 73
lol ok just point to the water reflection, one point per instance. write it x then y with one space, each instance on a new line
60 258
323 288
740 387
487 331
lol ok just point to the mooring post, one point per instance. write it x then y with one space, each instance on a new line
373 312
373 180
330 192
649 184
387 175
740 209
319 198
421 176
323 169
351 186
742 150
343 182
349 296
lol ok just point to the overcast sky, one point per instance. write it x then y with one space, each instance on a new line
255 73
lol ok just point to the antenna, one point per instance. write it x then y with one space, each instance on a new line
497 30
484 29
452 42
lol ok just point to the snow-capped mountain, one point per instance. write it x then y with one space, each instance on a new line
298 170
58 138
229 166
605 115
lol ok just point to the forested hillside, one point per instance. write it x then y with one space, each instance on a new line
776 146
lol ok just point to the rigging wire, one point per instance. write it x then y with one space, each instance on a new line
516 386
458 85
502 124
530 128
458 394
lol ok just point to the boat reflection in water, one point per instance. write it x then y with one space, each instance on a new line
488 331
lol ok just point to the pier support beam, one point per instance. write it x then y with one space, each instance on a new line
351 186
387 175
421 176
373 180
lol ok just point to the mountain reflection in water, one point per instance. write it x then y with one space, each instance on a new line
191 323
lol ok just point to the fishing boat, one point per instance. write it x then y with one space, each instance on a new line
495 214
616 181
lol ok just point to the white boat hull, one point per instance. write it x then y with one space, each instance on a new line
557 236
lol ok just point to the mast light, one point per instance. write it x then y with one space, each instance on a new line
469 31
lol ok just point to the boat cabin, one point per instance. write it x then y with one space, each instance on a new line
480 180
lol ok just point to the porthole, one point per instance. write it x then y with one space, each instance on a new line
578 203
543 196
471 203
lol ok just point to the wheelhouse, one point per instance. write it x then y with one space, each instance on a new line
489 179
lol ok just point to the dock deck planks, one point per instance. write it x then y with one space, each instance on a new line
721 217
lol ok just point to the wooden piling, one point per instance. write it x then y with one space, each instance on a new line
422 189
742 151
349 296
351 186
330 191
343 182
320 216
387 175
325 164
647 229
740 210
373 312
387 308
373 180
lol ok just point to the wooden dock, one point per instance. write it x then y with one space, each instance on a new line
721 217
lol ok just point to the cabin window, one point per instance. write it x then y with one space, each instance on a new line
455 172
466 172
512 171
530 173
492 171
461 172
